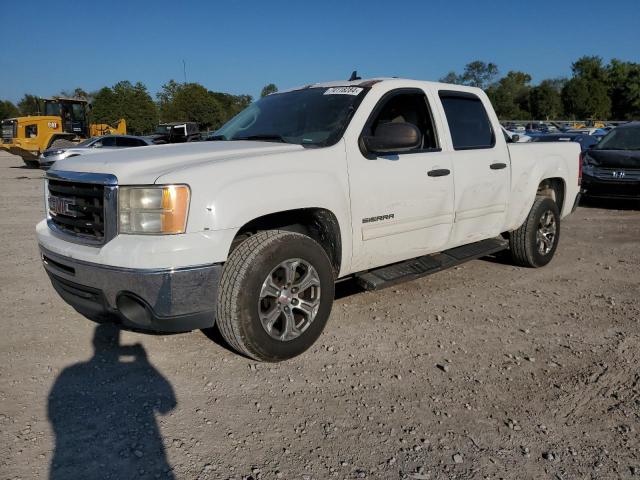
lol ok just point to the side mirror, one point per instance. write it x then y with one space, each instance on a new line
392 138
97 145
515 138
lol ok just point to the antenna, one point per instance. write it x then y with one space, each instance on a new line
184 70
354 76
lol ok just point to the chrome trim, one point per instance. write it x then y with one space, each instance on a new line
169 292
83 177
110 207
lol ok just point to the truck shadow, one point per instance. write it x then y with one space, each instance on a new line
103 414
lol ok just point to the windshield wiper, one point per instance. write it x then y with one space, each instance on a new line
264 138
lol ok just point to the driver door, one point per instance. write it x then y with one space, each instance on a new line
402 204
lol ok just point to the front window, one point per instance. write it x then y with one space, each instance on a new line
87 142
314 116
622 138
52 109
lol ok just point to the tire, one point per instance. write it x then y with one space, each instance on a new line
62 143
535 242
254 302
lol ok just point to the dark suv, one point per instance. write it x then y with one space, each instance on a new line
611 169
177 132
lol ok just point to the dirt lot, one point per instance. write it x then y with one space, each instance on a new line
484 371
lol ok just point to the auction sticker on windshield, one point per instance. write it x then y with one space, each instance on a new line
343 91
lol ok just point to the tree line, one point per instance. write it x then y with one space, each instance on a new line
595 90
179 102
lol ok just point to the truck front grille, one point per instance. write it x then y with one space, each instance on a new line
77 208
619 174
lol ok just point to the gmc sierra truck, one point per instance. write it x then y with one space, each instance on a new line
380 180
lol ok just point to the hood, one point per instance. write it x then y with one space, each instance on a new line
613 158
143 165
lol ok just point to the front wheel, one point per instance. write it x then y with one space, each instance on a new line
535 242
275 295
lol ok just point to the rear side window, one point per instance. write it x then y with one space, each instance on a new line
468 121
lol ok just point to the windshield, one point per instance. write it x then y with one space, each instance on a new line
623 138
311 116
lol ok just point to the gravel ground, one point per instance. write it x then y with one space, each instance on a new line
482 371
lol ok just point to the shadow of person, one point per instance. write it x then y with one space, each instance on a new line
103 414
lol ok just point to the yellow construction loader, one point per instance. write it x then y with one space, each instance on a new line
63 124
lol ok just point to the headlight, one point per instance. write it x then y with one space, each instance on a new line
49 153
158 209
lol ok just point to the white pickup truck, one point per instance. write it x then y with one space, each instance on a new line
383 180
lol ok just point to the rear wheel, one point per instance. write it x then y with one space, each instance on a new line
275 295
535 242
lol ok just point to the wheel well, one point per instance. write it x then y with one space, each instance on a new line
318 223
552 188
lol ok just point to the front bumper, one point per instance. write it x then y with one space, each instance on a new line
596 187
162 300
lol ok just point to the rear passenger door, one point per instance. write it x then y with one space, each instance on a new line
481 167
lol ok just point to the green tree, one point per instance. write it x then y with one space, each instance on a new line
190 102
624 89
479 74
76 93
104 106
451 77
231 105
510 96
586 94
129 101
268 89
29 105
545 100
586 99
8 110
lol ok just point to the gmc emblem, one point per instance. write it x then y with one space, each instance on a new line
62 206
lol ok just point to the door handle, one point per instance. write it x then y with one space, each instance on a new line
439 172
497 166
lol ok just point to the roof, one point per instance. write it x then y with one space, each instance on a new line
371 82
67 99
175 124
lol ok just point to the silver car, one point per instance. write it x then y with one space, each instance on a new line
92 145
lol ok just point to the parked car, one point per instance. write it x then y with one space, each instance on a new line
585 141
612 167
92 145
516 137
587 131
177 132
382 180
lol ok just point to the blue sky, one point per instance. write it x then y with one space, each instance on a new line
239 46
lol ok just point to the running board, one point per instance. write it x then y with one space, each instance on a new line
419 267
